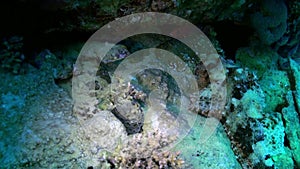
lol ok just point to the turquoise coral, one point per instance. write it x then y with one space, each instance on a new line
296 74
292 128
272 146
275 84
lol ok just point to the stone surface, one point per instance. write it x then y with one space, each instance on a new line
215 152
296 75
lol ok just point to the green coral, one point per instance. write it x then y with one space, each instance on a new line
296 74
283 160
291 115
253 103
271 149
292 127
213 153
258 60
275 85
271 21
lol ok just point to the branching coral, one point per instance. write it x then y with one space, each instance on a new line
144 150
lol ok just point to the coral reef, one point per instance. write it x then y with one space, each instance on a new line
271 148
135 121
291 114
292 128
259 122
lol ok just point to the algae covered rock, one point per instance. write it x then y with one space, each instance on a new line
104 126
253 103
275 85
272 146
291 115
260 122
250 106
214 153
296 74
257 59
292 128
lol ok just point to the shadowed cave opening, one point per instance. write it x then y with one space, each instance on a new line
232 36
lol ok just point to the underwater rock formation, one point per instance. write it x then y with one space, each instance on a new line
261 114
296 80
292 128
127 123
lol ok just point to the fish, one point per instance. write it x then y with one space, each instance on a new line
118 52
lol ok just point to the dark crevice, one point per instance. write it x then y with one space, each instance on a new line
295 162
291 80
29 19
52 41
232 36
59 82
286 141
279 107
244 137
293 89
132 127
295 102
261 165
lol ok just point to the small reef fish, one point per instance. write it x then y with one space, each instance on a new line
118 52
